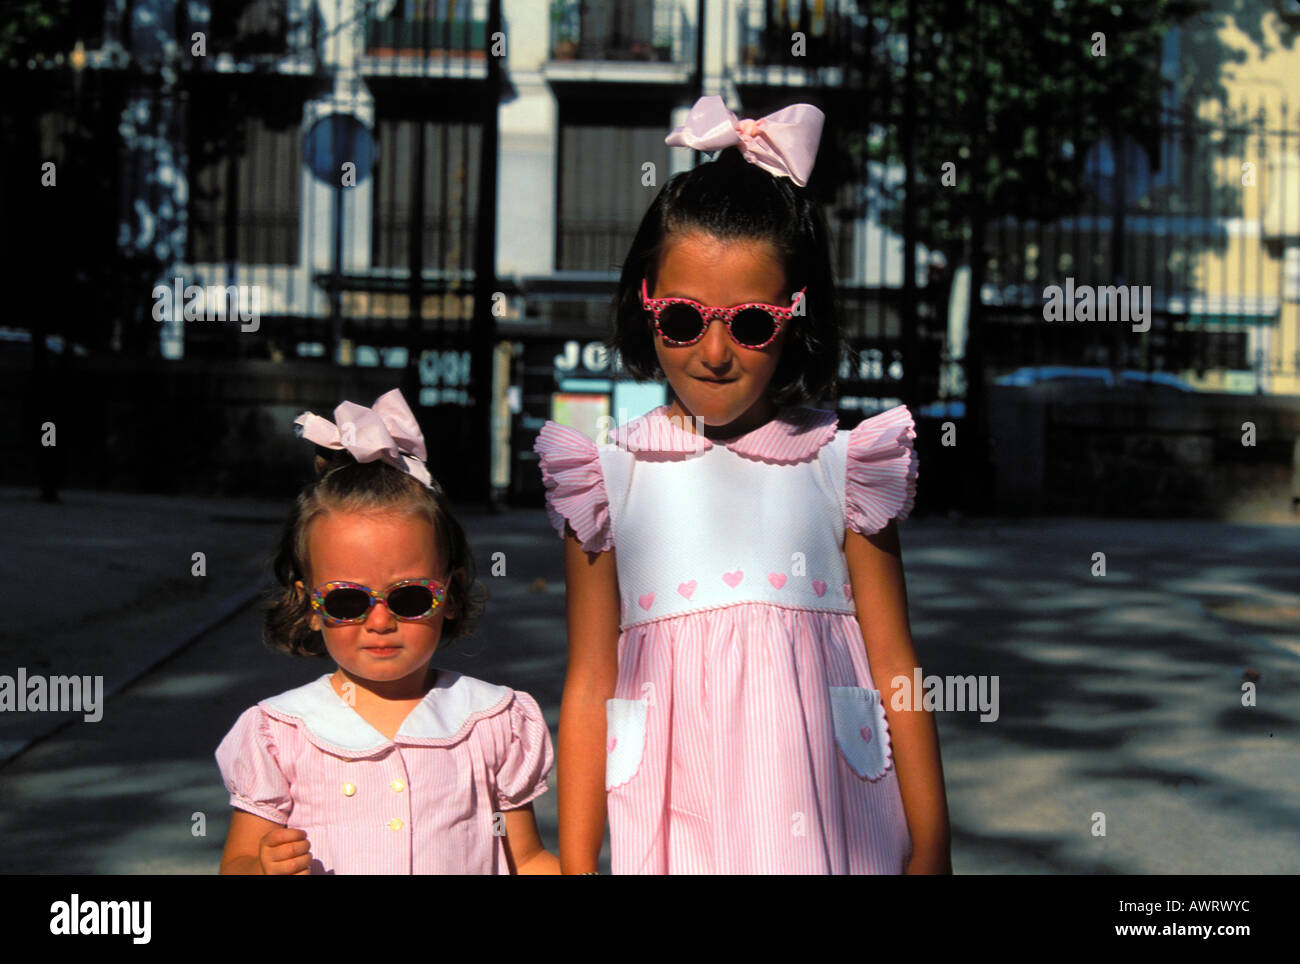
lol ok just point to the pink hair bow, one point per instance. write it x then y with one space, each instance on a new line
783 143
388 431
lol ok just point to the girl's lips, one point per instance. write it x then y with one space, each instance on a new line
381 650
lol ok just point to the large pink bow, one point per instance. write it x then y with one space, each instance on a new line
388 431
783 143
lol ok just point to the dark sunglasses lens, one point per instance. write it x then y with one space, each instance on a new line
346 603
410 602
680 323
753 326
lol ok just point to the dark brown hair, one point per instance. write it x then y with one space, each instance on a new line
734 200
345 485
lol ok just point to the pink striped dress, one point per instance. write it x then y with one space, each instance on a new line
428 802
746 733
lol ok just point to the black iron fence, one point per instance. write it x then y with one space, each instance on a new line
348 193
1199 233
216 172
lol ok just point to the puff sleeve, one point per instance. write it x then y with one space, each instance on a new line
881 471
575 488
521 774
250 768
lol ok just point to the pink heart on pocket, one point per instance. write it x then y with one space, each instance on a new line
866 733
848 591
819 587
732 579
647 600
687 589
613 742
777 579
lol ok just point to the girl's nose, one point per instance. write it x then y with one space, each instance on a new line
715 346
379 617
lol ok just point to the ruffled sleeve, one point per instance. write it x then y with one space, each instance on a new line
575 488
521 775
250 768
880 481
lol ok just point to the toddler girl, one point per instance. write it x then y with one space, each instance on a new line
387 765
736 595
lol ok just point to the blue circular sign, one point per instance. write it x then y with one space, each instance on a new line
335 140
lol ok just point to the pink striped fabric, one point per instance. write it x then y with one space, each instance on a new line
740 771
746 737
882 470
422 804
657 432
795 434
575 489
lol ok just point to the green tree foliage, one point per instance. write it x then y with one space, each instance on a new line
42 27
1015 93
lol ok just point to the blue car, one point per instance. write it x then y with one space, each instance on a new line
1035 375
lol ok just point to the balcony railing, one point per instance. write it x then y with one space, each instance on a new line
655 31
391 37
593 245
832 38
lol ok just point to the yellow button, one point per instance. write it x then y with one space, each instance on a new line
349 789
398 786
395 823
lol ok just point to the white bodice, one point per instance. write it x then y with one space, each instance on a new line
704 530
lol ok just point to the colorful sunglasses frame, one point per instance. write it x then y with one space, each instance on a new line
708 312
318 595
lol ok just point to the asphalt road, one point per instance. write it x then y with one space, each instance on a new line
1119 696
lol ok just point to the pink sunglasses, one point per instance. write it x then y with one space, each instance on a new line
681 321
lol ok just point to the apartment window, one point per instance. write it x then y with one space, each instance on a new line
244 192
615 29
602 197
249 29
449 180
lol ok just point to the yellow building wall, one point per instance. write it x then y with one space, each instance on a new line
1249 270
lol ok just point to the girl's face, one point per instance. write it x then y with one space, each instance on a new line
716 379
377 551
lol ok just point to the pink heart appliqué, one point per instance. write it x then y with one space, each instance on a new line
866 733
732 579
647 600
687 589
777 579
613 742
819 587
848 591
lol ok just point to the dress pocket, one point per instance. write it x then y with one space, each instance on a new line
624 740
861 730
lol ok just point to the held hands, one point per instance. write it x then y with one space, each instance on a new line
284 851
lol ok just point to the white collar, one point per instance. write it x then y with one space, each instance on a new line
794 434
440 718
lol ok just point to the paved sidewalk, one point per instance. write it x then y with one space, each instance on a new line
120 795
110 583
1118 695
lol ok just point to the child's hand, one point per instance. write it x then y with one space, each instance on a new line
285 851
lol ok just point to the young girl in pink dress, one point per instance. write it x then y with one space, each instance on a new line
735 591
386 766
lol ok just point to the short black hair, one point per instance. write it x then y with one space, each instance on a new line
734 200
